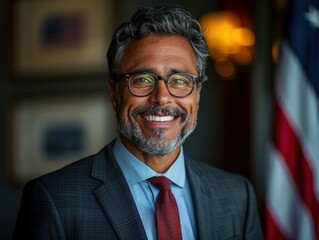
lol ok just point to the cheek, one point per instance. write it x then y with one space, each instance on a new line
190 104
192 109
122 95
121 103
127 103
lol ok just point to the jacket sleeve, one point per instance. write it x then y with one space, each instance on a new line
252 223
38 217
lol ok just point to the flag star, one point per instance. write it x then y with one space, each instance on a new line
313 16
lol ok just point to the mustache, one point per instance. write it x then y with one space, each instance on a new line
180 112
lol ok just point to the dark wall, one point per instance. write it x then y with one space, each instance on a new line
9 200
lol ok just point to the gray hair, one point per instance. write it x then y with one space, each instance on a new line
163 21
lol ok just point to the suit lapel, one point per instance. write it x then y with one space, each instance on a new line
202 203
115 197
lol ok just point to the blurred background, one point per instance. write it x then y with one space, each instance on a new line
53 86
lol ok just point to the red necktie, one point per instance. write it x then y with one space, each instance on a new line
167 217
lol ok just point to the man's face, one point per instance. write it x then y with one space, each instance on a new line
159 123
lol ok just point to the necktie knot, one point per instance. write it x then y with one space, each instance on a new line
162 183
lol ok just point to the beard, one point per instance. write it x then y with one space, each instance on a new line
157 144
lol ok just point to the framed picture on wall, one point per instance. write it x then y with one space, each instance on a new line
61 37
47 133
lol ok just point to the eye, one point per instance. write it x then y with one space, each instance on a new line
142 80
179 80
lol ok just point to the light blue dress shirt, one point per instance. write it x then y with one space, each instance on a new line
145 194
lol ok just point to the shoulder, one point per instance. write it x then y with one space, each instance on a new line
73 172
77 176
231 198
64 182
219 182
60 203
213 174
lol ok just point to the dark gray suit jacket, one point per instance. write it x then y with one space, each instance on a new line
90 199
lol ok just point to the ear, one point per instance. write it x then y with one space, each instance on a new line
113 95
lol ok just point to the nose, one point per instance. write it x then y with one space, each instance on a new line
160 95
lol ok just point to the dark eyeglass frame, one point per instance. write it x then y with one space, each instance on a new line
127 76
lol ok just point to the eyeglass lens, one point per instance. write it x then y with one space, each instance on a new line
142 84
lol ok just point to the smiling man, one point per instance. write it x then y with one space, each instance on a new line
141 185
155 116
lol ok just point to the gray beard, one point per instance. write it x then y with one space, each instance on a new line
157 145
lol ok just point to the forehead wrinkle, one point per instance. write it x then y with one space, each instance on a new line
159 55
160 64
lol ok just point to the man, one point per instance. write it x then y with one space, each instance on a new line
157 66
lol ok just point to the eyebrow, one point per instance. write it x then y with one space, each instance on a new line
150 70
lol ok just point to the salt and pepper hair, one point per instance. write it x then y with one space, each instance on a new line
158 21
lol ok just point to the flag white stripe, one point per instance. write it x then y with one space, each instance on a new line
282 197
301 107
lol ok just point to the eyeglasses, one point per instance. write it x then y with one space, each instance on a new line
142 84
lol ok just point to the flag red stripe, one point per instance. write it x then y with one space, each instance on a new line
272 231
288 144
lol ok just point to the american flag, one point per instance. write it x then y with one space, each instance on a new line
292 196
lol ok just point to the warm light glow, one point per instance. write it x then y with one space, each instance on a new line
244 56
243 36
227 41
218 28
225 69
275 50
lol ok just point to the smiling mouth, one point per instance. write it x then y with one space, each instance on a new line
153 118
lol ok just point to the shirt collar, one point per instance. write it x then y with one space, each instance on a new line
136 171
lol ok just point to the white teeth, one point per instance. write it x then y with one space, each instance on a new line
158 118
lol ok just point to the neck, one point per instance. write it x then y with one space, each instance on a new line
159 164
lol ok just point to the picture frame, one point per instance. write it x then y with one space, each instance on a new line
46 133
61 37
